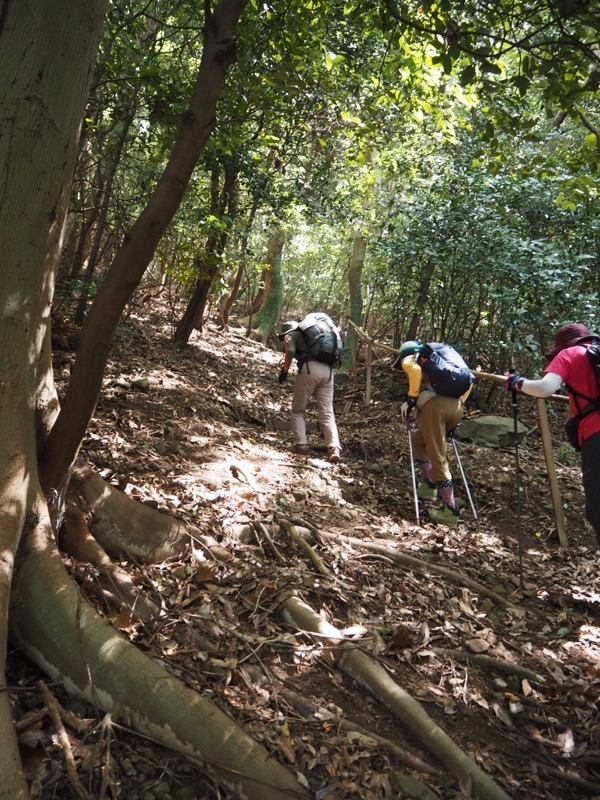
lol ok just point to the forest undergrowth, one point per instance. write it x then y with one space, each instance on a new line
494 631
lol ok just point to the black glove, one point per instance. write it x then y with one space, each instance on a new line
512 382
283 376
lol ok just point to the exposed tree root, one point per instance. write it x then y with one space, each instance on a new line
370 674
292 532
404 560
312 711
122 525
483 660
261 531
61 633
589 787
78 542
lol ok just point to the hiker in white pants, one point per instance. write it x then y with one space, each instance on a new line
314 379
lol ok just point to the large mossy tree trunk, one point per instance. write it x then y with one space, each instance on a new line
41 111
268 314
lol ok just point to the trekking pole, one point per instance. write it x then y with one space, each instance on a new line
515 410
464 477
412 467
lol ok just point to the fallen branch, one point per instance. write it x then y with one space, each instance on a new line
55 715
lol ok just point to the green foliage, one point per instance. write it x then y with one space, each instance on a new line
459 139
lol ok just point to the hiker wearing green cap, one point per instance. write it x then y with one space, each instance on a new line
439 382
571 361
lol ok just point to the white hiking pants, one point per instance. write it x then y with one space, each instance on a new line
314 380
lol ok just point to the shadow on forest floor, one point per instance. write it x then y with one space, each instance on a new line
202 433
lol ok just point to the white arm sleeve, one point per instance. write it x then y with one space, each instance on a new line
543 387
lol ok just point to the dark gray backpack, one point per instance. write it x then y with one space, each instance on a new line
322 338
447 372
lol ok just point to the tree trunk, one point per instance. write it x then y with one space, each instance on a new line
41 109
231 297
93 257
424 285
194 314
227 206
266 318
203 267
137 250
355 268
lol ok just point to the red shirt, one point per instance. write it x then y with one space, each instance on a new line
574 367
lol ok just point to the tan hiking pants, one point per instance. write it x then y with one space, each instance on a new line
314 380
436 418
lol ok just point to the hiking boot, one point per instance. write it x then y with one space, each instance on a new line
426 492
333 455
447 515
301 450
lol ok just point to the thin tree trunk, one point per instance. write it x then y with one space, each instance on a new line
137 250
94 253
424 286
228 206
355 268
194 313
227 304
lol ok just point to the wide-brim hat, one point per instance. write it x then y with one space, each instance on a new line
568 336
291 325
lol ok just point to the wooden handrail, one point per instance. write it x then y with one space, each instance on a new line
487 376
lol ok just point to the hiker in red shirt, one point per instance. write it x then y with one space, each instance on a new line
569 364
